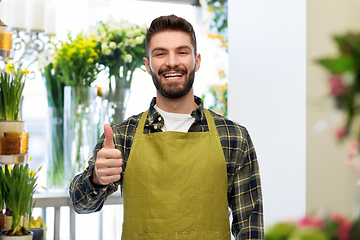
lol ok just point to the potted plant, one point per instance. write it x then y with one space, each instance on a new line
18 186
12 83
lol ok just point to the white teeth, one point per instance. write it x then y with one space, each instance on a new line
169 75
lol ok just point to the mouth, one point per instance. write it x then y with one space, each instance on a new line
173 76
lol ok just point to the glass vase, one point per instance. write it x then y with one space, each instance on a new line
55 162
80 128
118 95
116 107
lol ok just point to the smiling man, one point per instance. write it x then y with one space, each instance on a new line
181 167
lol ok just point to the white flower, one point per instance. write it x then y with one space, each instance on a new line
132 42
104 45
112 45
120 44
137 31
106 51
128 58
130 33
139 39
45 58
102 36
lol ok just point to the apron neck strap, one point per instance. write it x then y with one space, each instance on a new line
210 121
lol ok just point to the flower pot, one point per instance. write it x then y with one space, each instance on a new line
11 126
2 221
8 222
22 237
38 233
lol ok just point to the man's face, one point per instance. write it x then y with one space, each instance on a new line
172 63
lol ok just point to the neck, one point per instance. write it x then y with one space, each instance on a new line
183 105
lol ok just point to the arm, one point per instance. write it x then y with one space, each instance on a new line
89 190
246 198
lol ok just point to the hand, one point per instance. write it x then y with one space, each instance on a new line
108 164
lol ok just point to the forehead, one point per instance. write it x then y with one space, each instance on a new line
170 39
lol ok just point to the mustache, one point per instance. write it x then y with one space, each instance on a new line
176 69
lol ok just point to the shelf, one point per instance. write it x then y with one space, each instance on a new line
13 159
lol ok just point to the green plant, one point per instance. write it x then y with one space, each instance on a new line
219 98
121 48
55 98
12 83
218 20
332 227
76 58
120 44
344 87
19 185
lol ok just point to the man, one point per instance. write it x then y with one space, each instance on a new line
180 166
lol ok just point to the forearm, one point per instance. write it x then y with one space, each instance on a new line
85 197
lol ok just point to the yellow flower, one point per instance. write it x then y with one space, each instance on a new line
222 74
25 72
9 68
90 60
38 223
32 173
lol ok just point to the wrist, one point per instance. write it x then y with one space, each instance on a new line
94 179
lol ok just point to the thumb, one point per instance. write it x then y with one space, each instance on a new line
109 135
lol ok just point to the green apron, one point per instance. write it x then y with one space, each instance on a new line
175 186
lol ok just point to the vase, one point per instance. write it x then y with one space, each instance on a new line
55 141
119 94
116 108
80 129
28 236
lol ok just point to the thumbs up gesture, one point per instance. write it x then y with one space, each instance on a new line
108 164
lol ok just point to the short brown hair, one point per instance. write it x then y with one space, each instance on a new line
170 22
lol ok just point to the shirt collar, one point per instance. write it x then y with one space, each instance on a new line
155 117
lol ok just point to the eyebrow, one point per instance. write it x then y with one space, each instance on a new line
164 49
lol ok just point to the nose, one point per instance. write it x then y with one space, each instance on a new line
172 60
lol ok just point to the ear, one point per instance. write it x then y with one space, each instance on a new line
197 62
147 65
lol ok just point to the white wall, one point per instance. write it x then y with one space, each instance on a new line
267 86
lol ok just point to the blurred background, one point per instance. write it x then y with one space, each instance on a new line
266 64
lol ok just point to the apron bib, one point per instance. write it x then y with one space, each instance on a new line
175 186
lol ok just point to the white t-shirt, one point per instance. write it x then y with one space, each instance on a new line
175 121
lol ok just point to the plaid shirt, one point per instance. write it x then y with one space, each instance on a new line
244 189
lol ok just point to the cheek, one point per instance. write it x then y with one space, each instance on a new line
153 66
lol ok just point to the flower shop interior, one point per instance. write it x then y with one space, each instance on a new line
286 70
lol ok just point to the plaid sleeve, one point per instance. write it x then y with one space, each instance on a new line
85 197
246 198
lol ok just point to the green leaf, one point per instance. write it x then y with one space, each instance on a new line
338 65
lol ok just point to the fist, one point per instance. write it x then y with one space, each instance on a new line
108 164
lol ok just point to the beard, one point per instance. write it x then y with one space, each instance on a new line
175 89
